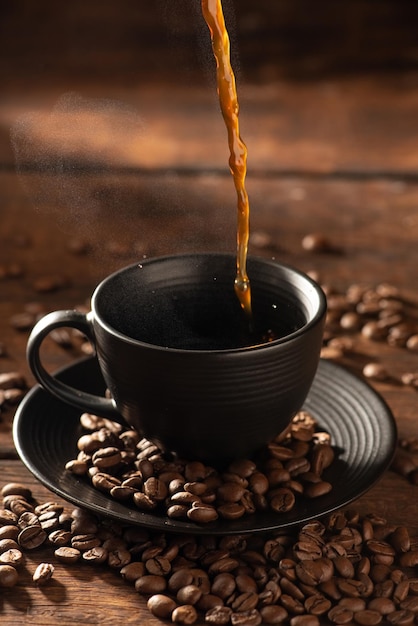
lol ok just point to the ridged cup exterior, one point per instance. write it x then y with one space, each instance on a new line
214 405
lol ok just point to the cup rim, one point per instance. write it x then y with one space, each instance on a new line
315 319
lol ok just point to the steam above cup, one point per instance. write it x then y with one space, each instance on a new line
183 364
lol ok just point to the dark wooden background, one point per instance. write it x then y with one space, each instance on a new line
111 144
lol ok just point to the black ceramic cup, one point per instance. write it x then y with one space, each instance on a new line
183 363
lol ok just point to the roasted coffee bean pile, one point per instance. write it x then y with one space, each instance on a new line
379 313
133 470
346 569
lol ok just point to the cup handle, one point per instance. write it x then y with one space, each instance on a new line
82 400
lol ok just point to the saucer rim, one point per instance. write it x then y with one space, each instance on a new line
102 504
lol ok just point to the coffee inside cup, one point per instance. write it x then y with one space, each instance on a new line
196 309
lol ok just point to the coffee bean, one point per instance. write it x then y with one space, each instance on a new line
291 604
316 243
224 565
22 321
353 604
230 492
31 537
105 458
16 489
408 378
17 505
155 489
351 321
340 615
219 615
310 572
368 617
318 489
150 584
144 502
375 371
28 518
189 594
9 532
185 614
304 620
161 606
8 576
282 500
403 463
67 554
13 556
400 539
7 544
322 457
202 514
401 591
317 604
7 517
132 571
223 585
412 343
12 380
344 566
273 614
208 601
96 555
85 542
158 565
374 331
384 606
231 510
307 549
401 618
43 573
246 618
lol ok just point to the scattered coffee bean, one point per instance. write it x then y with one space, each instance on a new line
161 606
185 614
344 569
13 387
66 554
12 380
8 576
410 379
412 343
373 314
375 371
316 243
43 573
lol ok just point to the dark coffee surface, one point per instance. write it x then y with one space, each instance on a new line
202 317
189 302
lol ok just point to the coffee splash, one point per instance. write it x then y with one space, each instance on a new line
228 99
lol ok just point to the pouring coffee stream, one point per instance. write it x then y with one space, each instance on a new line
213 15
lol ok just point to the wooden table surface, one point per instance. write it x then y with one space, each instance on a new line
101 165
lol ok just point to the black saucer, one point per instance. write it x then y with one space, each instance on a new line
361 425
